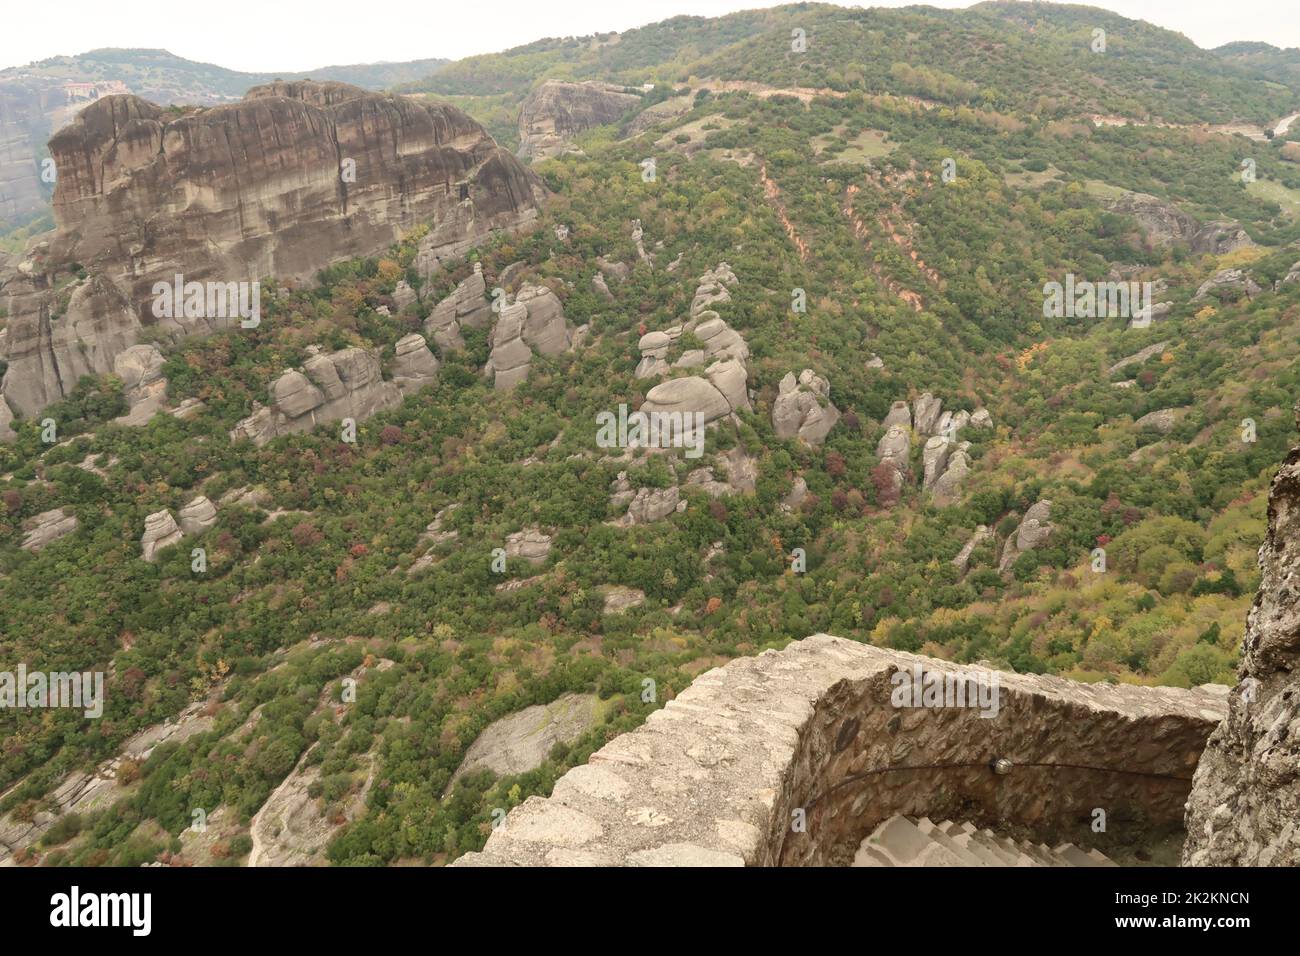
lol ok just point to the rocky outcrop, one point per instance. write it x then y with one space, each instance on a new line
945 461
1244 808
523 741
803 408
1137 358
197 516
925 413
291 178
532 325
644 505
95 790
900 413
1164 224
556 111
719 340
1228 283
618 599
718 776
414 366
947 489
894 449
1033 532
530 545
962 561
719 392
160 531
140 369
466 307
48 527
343 384
292 828
1163 420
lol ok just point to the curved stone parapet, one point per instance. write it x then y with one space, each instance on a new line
793 757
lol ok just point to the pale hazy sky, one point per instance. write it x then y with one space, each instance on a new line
297 35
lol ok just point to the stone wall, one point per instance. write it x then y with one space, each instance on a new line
717 775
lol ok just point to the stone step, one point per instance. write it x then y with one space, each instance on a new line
919 841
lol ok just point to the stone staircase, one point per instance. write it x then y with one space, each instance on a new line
908 841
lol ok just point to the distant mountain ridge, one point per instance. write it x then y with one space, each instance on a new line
156 74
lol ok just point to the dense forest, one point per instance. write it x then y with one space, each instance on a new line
843 195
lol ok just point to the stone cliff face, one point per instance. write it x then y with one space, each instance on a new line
21 116
555 112
1245 804
291 178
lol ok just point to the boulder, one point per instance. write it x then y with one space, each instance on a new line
934 459
197 516
530 544
403 295
47 527
925 413
466 307
692 393
899 414
533 324
652 504
523 741
947 488
343 384
414 366
1162 420
619 599
1137 358
1033 532
803 408
895 445
160 531
962 561
1230 283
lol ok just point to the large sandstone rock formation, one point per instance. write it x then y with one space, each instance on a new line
160 531
48 527
556 111
22 116
291 178
803 408
466 307
945 461
1245 804
1163 224
532 325
522 741
719 392
343 384
1033 532
719 340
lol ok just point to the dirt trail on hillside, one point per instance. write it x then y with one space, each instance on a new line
772 192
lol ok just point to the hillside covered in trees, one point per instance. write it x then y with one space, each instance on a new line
914 178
